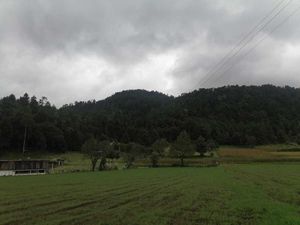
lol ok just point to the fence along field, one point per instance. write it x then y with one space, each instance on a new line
266 194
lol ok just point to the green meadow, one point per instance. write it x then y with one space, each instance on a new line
245 194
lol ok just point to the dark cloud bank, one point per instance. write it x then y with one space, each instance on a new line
78 50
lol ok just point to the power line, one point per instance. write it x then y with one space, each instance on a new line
245 37
260 41
207 78
246 40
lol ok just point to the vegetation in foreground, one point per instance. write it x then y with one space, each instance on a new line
256 194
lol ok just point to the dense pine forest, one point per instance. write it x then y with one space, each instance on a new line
231 115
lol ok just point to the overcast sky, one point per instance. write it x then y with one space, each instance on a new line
72 50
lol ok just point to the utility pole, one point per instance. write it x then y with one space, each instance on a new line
24 141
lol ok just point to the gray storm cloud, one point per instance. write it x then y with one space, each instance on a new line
79 50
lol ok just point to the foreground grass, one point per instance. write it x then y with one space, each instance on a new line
262 194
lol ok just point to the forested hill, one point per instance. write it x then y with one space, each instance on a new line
128 102
237 115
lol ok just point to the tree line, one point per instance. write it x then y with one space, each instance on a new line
231 115
183 147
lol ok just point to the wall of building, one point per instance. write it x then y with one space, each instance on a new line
7 173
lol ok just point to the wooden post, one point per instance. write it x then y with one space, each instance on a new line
24 141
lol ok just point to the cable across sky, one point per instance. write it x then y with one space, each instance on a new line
229 60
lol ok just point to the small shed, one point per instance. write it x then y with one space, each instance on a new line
23 167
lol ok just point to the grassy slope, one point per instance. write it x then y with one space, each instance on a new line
256 194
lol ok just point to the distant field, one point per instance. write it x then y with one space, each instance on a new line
257 154
267 153
75 161
254 194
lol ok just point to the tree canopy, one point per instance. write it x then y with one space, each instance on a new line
235 115
182 147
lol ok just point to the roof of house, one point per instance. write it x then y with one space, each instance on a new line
25 160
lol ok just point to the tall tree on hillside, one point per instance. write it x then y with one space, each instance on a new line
182 147
27 122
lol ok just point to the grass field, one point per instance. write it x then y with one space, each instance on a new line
249 194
